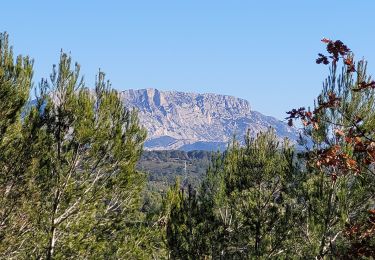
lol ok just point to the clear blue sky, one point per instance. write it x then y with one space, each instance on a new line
263 51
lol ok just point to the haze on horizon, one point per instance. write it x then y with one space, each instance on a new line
262 51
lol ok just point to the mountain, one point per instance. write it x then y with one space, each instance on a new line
191 121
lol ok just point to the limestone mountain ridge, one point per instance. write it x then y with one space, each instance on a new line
193 121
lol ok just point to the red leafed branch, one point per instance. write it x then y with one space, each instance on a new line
364 85
353 148
336 49
306 117
334 156
311 118
332 102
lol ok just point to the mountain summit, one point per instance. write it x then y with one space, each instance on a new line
190 121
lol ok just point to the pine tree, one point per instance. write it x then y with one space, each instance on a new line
183 226
15 84
84 191
259 182
246 206
338 192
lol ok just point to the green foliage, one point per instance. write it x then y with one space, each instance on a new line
258 183
182 231
15 82
68 168
259 201
15 85
244 208
71 189
85 146
335 199
162 167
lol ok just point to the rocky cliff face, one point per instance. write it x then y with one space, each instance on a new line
190 121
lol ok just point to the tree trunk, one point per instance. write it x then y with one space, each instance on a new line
257 238
52 241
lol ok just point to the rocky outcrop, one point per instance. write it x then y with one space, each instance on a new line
190 121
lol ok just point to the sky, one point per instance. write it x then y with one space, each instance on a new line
262 51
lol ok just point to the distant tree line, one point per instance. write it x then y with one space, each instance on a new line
164 155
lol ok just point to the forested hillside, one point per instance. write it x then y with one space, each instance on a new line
163 167
75 182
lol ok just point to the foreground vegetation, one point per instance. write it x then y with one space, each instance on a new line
71 189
